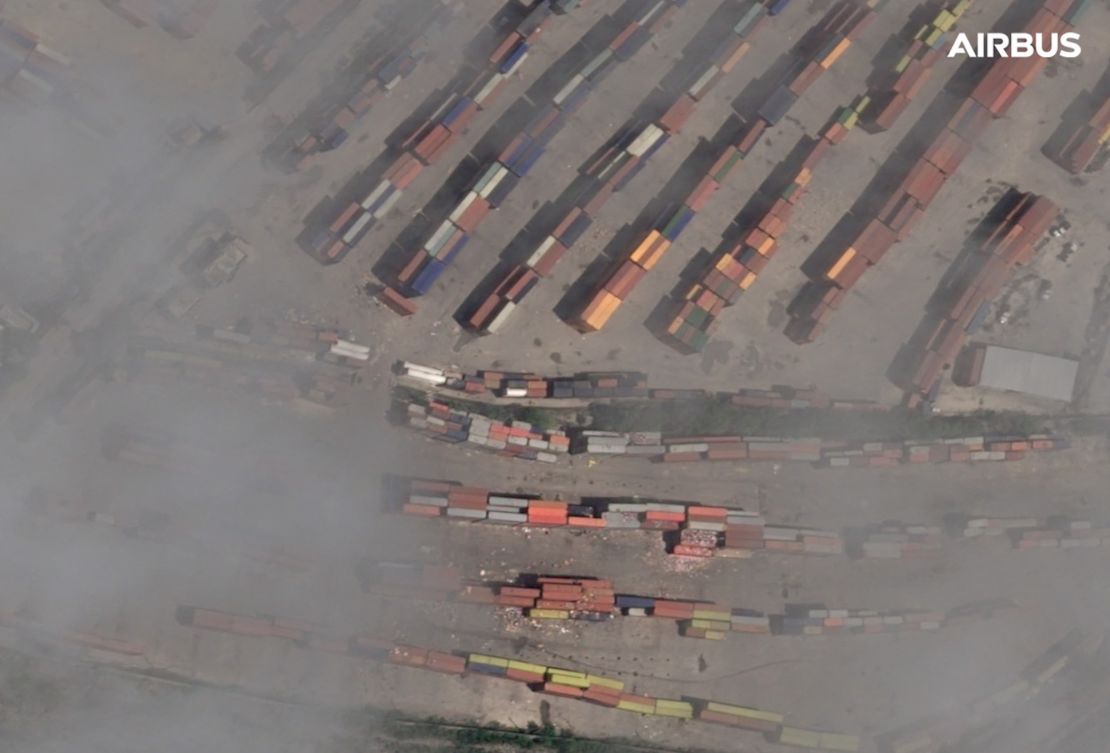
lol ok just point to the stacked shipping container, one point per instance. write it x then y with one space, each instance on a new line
617 165
840 26
424 147
495 181
27 66
1080 148
619 384
518 439
1019 222
368 82
745 253
909 75
995 93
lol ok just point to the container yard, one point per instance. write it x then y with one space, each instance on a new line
572 375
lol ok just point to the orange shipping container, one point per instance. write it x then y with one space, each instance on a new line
624 279
838 266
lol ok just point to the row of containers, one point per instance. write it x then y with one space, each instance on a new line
751 242
929 735
1006 241
28 68
695 530
836 32
517 439
329 344
591 385
991 98
494 182
370 81
183 19
558 598
425 146
613 168
1084 146
906 78
556 681
522 439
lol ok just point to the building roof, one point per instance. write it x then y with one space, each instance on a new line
1032 373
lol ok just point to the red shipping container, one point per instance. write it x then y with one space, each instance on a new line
502 49
566 691
469 220
413 265
948 151
923 182
702 193
1009 93
521 675
677 114
533 593
344 218
806 76
397 302
602 695
751 135
624 279
422 511
890 111
970 120
550 258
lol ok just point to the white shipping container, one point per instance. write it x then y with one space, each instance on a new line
645 141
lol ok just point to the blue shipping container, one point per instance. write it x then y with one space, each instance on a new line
427 277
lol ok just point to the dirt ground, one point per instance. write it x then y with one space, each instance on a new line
249 477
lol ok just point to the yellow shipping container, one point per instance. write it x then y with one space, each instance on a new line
712 614
493 661
960 8
944 21
605 682
639 708
841 263
693 291
747 280
567 672
549 614
724 708
765 247
641 252
835 53
834 741
697 622
932 37
524 666
861 104
714 635
802 738
597 313
654 254
574 682
678 709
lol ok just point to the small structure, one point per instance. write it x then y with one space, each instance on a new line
999 368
